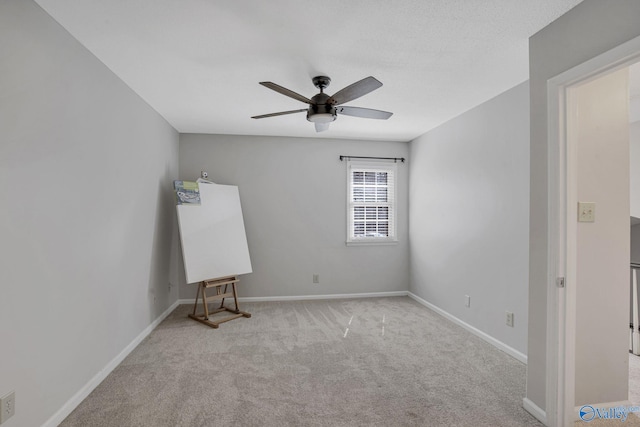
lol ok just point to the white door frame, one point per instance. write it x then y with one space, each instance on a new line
562 230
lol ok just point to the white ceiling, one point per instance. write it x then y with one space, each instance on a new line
198 62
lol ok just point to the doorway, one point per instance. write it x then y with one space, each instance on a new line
575 176
598 236
634 146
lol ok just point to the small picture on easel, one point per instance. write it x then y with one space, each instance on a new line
187 192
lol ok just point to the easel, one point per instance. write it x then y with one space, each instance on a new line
220 295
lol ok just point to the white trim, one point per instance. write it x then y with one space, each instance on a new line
392 191
534 410
561 242
576 410
556 186
311 297
372 242
77 398
484 336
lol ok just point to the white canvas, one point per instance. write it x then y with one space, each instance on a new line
214 242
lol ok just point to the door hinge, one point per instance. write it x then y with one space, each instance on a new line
560 282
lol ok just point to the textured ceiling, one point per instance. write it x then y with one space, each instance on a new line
198 62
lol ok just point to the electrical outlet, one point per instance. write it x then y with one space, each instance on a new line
467 301
7 406
316 278
509 319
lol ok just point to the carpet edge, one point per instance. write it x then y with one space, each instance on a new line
477 332
534 410
94 382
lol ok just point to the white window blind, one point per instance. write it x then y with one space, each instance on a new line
371 202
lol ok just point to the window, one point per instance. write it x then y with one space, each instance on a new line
371 202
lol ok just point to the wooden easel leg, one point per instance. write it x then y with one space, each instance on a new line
235 296
204 302
222 302
195 305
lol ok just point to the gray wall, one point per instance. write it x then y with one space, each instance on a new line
591 28
469 215
86 217
293 195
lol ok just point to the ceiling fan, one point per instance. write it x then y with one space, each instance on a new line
323 109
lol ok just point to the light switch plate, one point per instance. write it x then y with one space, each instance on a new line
509 318
586 212
7 406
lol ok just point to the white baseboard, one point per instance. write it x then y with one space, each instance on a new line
312 297
534 410
486 337
72 403
606 405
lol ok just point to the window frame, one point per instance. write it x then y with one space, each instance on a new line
391 168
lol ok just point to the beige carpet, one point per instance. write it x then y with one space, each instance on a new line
365 362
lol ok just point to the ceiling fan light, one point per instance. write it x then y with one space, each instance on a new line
322 118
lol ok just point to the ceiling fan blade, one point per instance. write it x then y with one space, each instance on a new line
321 127
366 113
355 90
286 92
281 113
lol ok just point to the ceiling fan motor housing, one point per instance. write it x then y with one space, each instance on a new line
320 110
